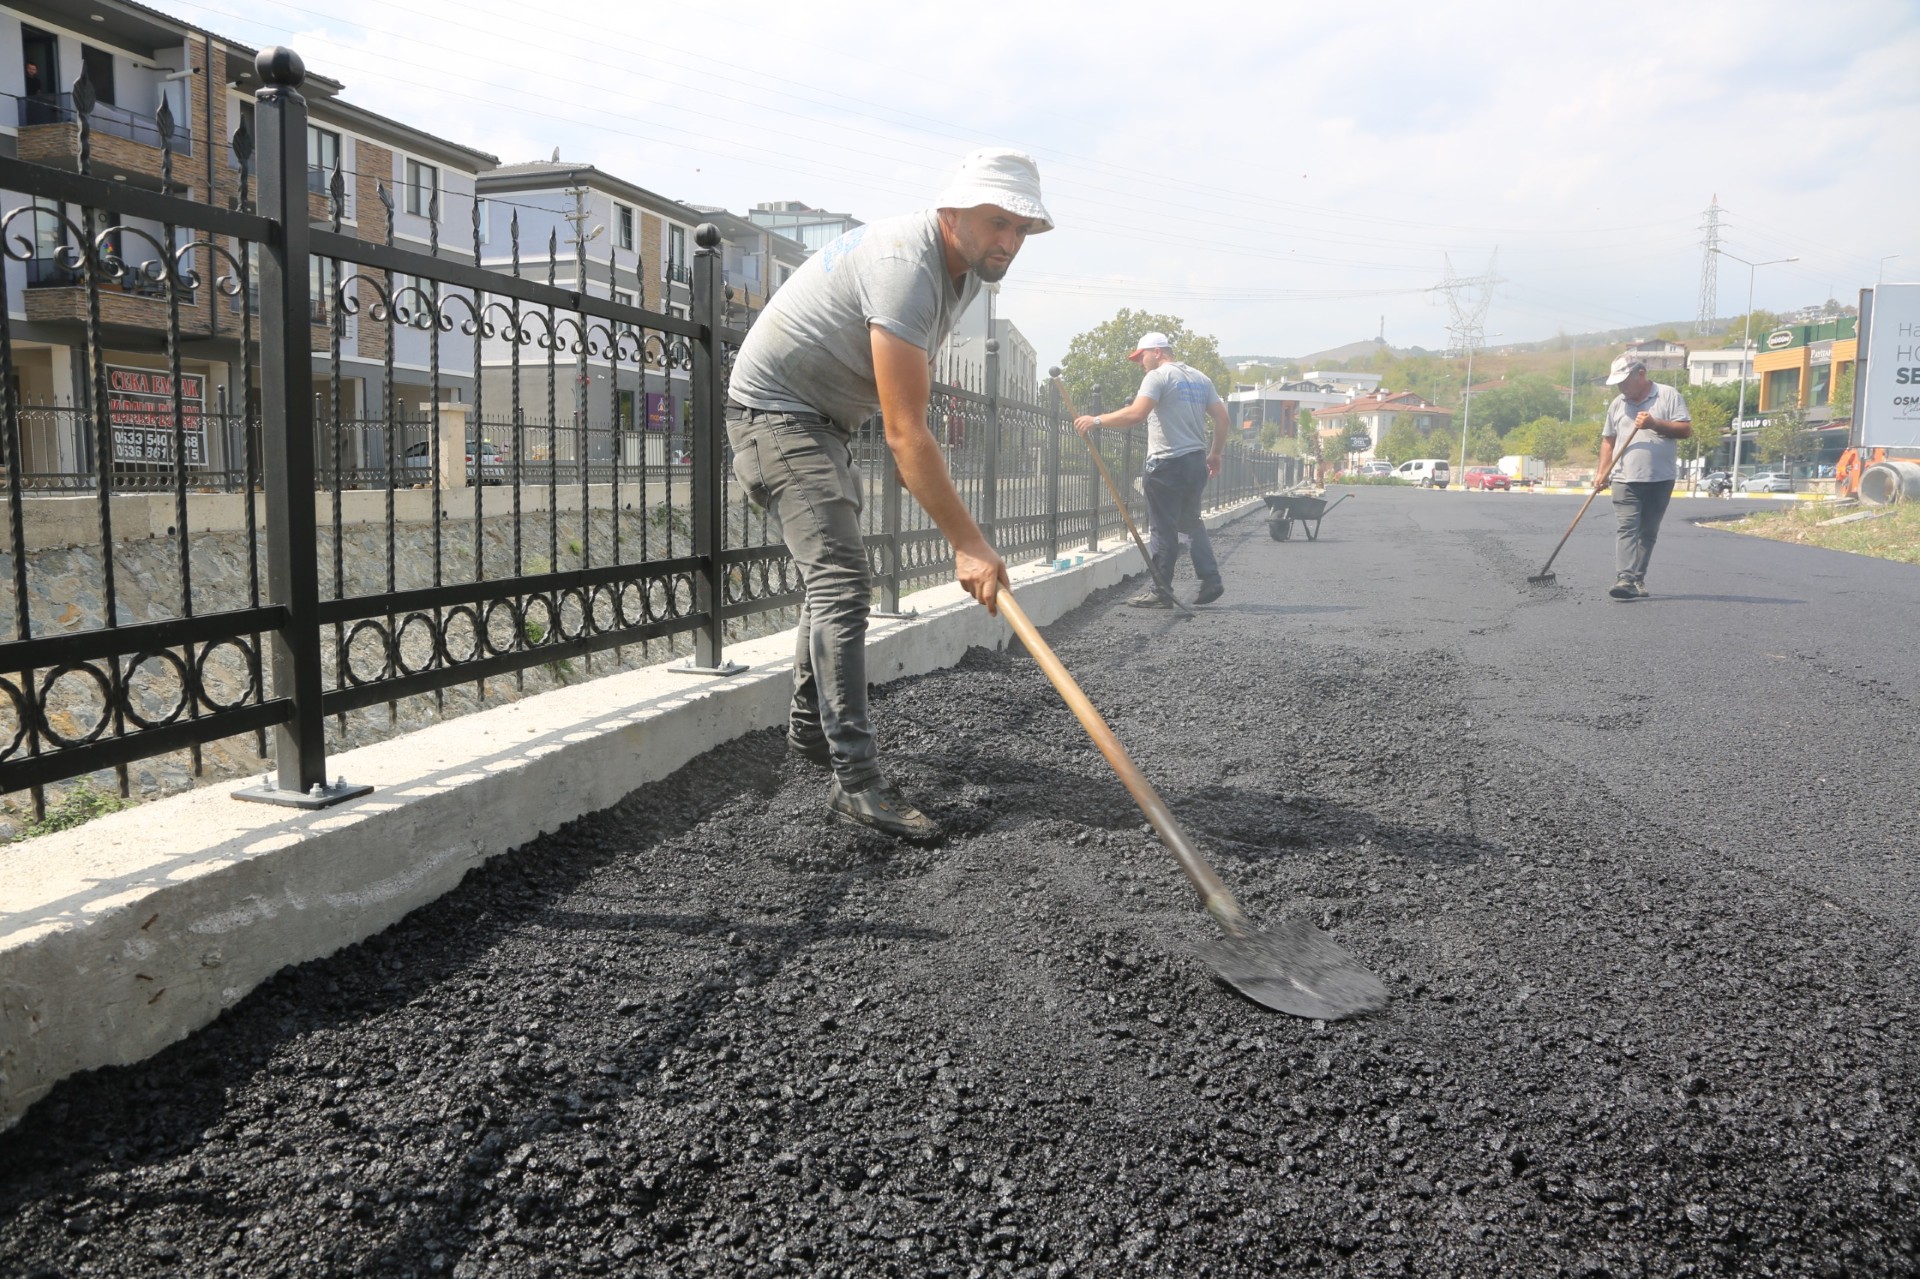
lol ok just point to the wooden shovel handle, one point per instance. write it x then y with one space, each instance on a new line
1582 512
1213 894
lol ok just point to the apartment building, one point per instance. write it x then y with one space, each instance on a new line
167 98
1370 417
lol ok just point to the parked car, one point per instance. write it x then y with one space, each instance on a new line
1767 482
1486 477
493 462
1375 468
1427 472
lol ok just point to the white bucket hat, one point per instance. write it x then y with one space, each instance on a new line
1005 179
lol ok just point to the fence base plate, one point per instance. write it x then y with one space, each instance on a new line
319 797
688 667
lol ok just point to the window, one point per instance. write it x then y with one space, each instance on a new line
323 157
323 283
622 297
485 211
423 189
623 225
677 254
242 115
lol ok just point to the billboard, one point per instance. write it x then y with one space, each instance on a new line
1888 398
140 413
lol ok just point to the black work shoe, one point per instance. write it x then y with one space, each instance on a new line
1624 589
815 752
1150 599
1209 592
885 809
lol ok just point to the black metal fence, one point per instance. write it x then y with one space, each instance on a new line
549 525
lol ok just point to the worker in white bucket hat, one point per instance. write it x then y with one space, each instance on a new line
851 334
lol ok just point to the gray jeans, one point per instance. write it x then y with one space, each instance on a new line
1638 508
800 467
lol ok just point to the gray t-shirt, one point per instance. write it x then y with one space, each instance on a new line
811 352
1178 423
1650 456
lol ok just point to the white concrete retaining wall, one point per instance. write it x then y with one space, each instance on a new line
124 935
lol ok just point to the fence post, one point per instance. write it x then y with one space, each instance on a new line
890 517
1054 427
1095 502
286 407
709 421
990 500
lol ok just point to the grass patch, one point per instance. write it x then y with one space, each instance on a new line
1890 532
76 808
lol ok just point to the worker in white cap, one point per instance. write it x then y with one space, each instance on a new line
851 334
1655 416
1179 404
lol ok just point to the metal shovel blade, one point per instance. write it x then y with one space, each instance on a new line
1295 968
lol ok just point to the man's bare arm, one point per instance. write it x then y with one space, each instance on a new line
901 376
1218 412
1120 419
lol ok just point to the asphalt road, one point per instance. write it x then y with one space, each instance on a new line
1639 878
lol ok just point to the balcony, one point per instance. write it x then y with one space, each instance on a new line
121 140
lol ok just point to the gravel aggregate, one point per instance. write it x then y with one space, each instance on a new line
706 1032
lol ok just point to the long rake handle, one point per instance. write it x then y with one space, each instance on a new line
1152 568
1582 513
1213 894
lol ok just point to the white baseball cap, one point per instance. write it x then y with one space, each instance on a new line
1623 368
1148 342
1006 179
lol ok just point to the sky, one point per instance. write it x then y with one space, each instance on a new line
1285 177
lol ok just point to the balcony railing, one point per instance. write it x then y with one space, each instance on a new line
106 118
54 273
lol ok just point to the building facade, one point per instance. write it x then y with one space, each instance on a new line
167 99
1798 364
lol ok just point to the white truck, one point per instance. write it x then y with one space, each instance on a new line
1522 469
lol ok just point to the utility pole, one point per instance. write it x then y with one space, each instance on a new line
1709 270
1746 354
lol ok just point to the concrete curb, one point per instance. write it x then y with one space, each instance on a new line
125 935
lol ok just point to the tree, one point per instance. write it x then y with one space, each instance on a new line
1841 398
1402 442
1710 419
1775 440
1483 443
1547 438
1524 398
1098 357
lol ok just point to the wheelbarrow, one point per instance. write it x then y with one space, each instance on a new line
1284 510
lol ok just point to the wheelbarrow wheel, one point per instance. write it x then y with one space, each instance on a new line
1280 528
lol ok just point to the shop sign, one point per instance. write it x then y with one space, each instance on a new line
140 414
1779 339
661 415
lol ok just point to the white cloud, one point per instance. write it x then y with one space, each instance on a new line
1281 176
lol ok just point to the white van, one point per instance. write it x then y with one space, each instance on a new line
1427 472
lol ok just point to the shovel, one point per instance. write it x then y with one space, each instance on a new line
1546 575
1154 572
1294 968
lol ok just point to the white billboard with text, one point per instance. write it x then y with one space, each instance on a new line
1890 396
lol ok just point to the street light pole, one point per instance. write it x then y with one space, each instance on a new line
1882 277
1466 405
1746 353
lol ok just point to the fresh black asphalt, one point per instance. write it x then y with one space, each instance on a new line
1640 879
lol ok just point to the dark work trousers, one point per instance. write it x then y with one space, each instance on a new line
1173 486
799 466
1638 507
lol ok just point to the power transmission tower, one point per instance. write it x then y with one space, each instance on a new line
1709 270
1468 298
